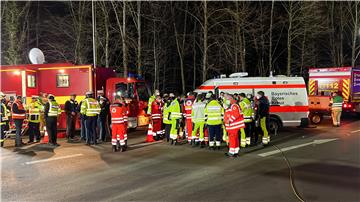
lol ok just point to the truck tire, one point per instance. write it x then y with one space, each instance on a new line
315 118
274 125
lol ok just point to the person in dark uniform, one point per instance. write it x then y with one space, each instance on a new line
51 112
70 111
102 118
4 118
82 122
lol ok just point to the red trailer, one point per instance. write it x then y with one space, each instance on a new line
60 79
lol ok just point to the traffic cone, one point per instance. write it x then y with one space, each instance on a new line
46 137
149 137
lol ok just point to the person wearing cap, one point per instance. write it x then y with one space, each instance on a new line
103 118
262 114
18 115
151 100
174 116
90 109
165 115
34 110
214 113
4 118
52 111
233 121
70 111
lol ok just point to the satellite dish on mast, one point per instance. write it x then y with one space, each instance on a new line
36 56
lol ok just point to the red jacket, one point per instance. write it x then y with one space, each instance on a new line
156 110
188 108
117 113
233 118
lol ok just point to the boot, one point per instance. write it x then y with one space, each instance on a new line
125 146
218 147
2 144
122 149
114 149
172 142
202 144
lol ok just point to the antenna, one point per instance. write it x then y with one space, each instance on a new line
36 56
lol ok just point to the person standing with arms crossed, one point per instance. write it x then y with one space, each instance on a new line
70 110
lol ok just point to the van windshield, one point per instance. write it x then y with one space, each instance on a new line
142 91
125 89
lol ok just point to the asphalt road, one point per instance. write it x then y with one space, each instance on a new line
325 163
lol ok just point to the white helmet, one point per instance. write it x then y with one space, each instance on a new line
2 94
157 92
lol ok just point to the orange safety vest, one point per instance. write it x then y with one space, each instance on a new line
117 114
20 107
188 108
233 118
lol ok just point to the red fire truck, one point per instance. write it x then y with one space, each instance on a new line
62 79
324 81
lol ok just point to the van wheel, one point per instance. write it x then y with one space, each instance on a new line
274 126
315 118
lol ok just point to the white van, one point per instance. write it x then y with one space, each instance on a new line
287 95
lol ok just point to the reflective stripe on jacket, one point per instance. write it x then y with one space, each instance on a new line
214 113
233 118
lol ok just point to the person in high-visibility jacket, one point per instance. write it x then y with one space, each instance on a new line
35 109
233 121
4 119
156 117
18 114
90 109
52 111
165 115
188 103
174 116
248 112
118 126
214 113
262 114
336 103
151 100
198 118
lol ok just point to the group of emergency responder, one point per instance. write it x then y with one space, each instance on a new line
42 115
41 112
204 120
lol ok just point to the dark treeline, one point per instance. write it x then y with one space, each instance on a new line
178 45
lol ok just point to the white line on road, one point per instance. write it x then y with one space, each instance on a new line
52 159
355 131
296 146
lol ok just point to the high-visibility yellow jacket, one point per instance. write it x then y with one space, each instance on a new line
166 113
214 113
90 107
54 109
174 110
247 110
35 109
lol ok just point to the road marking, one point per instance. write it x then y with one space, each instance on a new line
296 147
355 131
53 159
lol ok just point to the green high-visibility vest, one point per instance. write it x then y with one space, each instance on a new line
35 110
214 113
247 110
337 103
166 112
151 100
4 116
54 109
174 110
90 107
